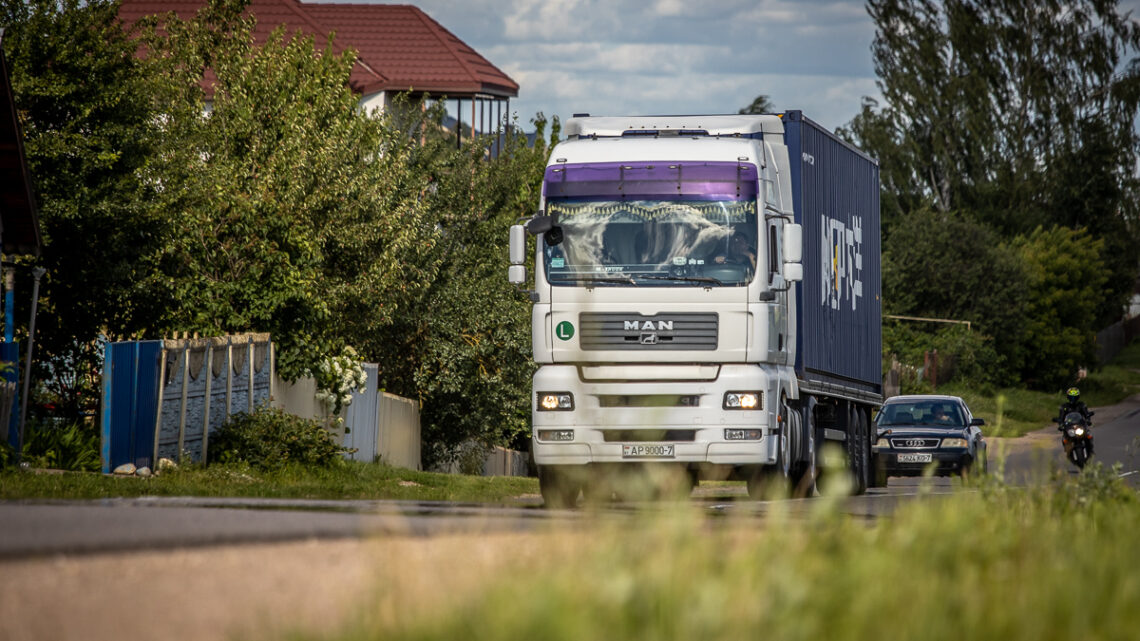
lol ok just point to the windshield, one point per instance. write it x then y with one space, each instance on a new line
932 413
1074 418
653 242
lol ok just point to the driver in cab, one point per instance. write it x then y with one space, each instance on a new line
738 253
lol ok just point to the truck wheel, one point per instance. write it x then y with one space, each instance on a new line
807 471
558 490
768 482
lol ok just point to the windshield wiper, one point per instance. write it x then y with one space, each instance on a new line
688 279
625 280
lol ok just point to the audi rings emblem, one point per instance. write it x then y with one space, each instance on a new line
915 442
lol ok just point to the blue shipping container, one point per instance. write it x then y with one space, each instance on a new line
835 193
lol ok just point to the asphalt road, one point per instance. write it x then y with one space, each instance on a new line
1037 455
38 528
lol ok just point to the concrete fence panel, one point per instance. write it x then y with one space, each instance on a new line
163 398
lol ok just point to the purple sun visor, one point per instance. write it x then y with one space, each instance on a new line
653 181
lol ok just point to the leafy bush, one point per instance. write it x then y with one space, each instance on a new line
965 355
62 446
269 439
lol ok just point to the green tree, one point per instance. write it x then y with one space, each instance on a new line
982 97
463 347
1065 273
295 213
83 103
943 265
759 105
1014 113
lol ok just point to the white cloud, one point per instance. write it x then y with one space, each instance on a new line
672 56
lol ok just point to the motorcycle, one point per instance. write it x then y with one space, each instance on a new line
1076 437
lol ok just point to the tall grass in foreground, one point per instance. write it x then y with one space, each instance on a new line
1054 562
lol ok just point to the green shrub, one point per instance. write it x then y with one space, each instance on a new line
62 446
269 439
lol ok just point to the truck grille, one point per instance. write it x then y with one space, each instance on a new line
907 443
632 331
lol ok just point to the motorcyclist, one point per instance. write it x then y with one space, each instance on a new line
1073 403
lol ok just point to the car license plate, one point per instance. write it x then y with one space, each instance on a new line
914 458
647 451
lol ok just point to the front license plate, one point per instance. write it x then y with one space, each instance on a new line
914 458
647 451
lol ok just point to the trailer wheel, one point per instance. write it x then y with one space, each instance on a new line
858 450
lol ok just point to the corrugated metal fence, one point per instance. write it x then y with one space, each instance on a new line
378 425
161 399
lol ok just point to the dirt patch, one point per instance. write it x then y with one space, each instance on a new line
247 591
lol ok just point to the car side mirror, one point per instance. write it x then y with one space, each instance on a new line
977 421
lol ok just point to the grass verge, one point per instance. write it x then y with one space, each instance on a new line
351 480
1052 562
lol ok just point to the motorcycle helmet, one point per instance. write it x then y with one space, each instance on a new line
1073 394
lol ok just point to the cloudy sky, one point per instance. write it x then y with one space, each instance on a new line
626 57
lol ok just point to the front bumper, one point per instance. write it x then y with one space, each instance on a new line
605 418
945 461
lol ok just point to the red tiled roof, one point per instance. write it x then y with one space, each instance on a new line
399 47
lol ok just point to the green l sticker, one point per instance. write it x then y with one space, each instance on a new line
564 330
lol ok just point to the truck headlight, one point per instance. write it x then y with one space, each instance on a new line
556 435
743 400
555 402
955 442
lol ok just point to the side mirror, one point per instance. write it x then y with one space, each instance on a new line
540 224
1056 420
518 245
977 421
516 273
793 272
793 246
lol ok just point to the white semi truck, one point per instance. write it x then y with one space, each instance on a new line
706 302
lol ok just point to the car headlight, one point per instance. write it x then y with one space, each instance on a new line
955 442
555 402
743 400
883 444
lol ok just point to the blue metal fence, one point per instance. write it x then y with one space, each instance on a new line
130 402
162 399
10 397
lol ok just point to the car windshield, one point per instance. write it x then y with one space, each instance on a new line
924 413
645 243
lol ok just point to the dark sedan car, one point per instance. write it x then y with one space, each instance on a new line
915 432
